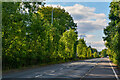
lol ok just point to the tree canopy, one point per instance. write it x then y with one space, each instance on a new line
112 32
29 37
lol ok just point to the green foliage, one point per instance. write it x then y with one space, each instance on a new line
95 54
82 50
89 53
29 38
112 32
104 53
68 40
60 17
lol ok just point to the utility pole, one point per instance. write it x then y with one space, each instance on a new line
52 16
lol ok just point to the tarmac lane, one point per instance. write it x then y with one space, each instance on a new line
104 70
98 68
74 69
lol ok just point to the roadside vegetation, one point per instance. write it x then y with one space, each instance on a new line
30 36
103 53
112 33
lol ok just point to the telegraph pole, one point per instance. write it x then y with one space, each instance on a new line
52 16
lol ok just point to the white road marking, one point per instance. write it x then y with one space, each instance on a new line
89 70
38 76
52 71
113 70
68 66
51 74
61 68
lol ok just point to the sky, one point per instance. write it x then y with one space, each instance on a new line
91 19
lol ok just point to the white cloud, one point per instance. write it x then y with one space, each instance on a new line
99 42
78 0
90 36
99 48
81 12
98 45
88 21
86 18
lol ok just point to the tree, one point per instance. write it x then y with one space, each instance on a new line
67 40
89 53
23 36
104 53
95 55
112 32
82 50
60 17
29 38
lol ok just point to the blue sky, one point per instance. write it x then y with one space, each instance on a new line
91 18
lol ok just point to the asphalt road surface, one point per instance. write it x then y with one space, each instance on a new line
90 68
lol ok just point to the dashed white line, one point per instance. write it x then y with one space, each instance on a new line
38 76
52 71
61 68
89 71
114 71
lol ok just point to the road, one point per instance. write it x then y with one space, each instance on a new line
90 68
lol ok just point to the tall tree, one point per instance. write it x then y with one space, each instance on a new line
68 40
60 17
112 32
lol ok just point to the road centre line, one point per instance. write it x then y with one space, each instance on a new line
90 70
